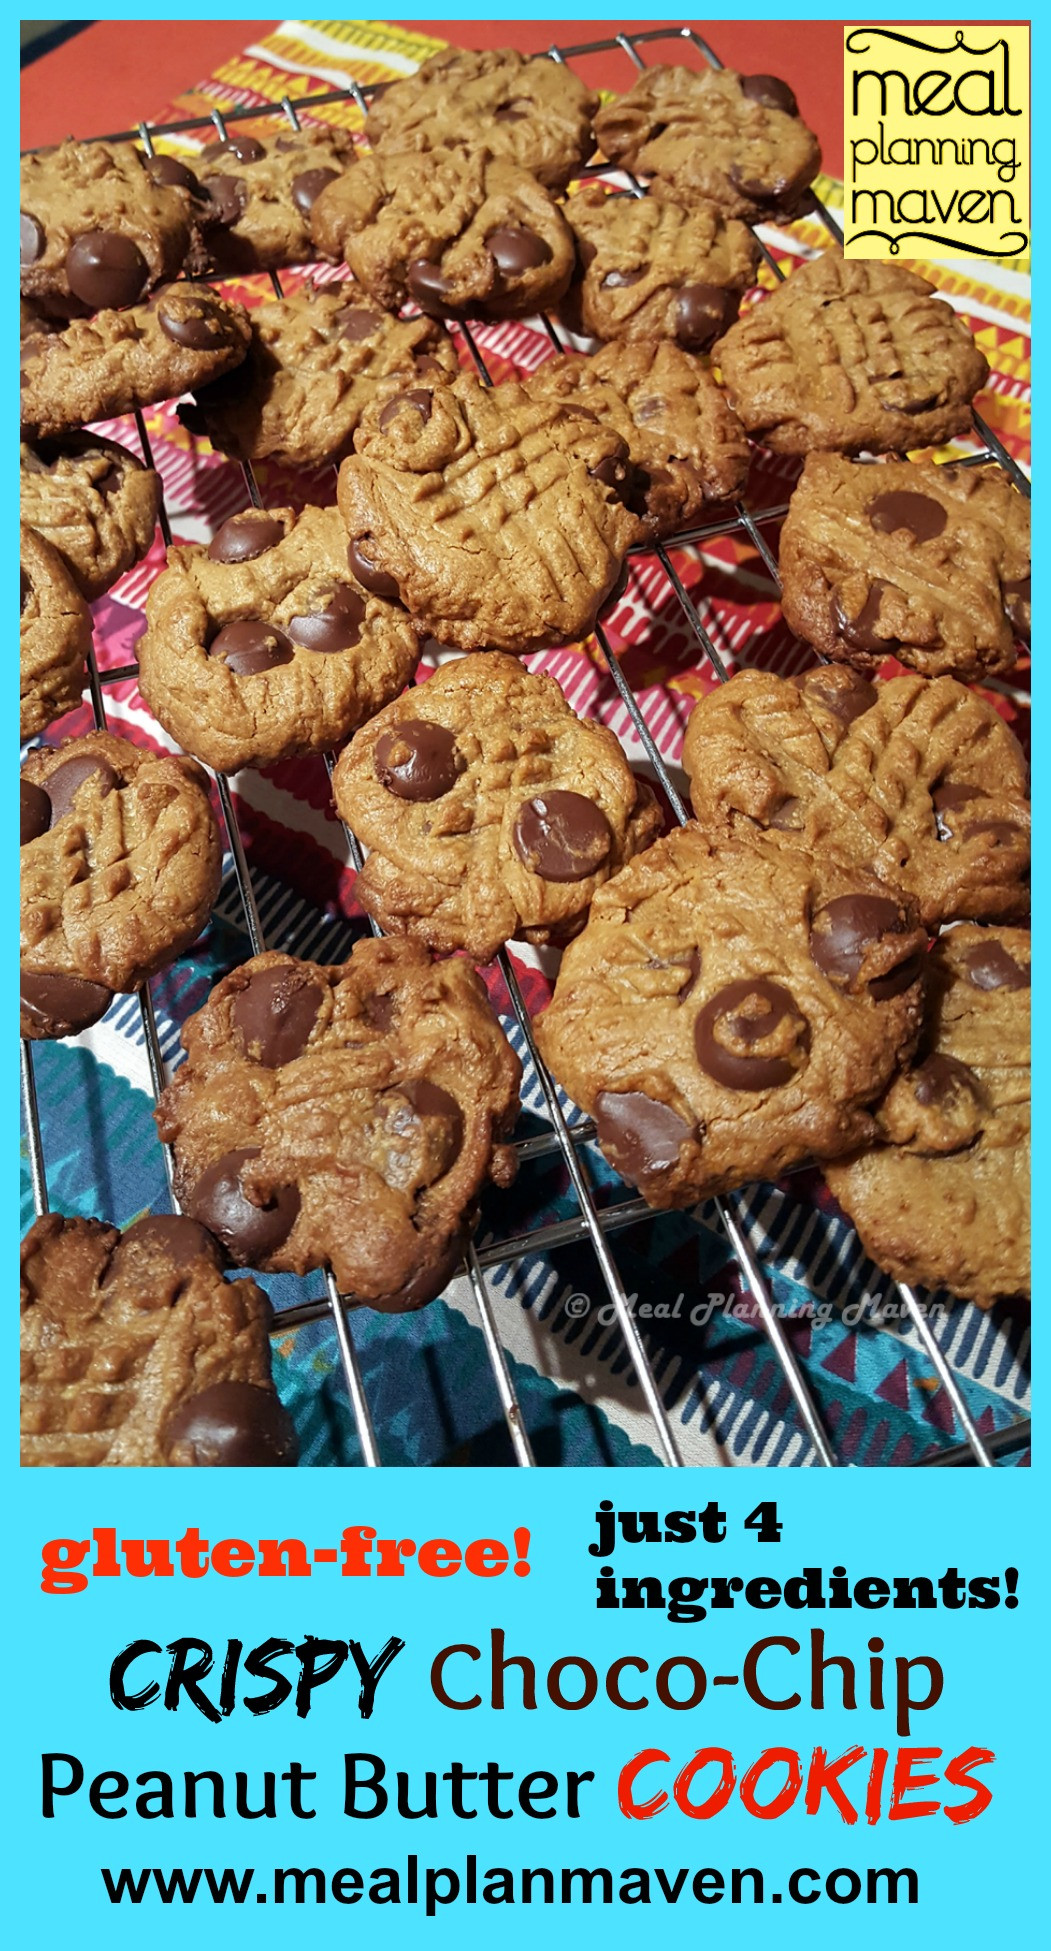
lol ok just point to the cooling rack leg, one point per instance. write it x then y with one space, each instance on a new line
946 1377
804 1401
37 1174
352 1375
509 1402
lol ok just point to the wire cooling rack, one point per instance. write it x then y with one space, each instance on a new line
566 1137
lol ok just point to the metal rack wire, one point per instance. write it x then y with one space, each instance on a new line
591 1224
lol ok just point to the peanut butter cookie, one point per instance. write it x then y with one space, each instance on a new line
54 635
93 502
259 193
532 110
655 268
98 231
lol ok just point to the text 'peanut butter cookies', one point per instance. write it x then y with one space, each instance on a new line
686 444
851 357
945 1201
120 868
908 559
490 809
458 231
731 1009
136 1351
344 1116
315 361
736 140
100 367
98 231
920 780
503 520
262 644
533 111
54 635
655 268
93 502
259 192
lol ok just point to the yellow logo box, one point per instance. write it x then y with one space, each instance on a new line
936 147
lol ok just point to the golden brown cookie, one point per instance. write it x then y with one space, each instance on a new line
654 268
489 808
262 644
456 231
315 361
259 193
854 357
735 140
908 559
530 109
136 1351
93 501
945 1200
501 519
99 367
344 1116
120 868
731 1009
99 231
919 780
54 635
686 444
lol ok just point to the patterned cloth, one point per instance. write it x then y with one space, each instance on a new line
426 1376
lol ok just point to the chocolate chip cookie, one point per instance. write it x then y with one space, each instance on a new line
263 644
919 780
259 194
731 1009
655 268
344 1116
99 367
54 635
531 110
98 231
736 140
120 866
136 1351
908 559
945 1200
852 357
93 502
686 444
489 808
315 361
503 520
456 231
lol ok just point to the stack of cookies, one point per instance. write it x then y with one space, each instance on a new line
754 991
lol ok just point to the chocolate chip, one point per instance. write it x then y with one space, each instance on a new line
616 473
416 397
739 1070
251 646
26 590
244 537
512 112
426 286
989 966
750 186
199 330
1002 833
1017 597
227 197
172 174
786 817
106 270
843 693
949 799
275 1013
428 366
182 1242
34 808
703 313
860 631
375 580
640 1137
920 515
250 1233
844 931
515 248
65 782
335 627
307 188
430 1101
231 1425
769 92
244 148
562 836
379 1012
620 280
60 1005
418 760
356 323
939 1079
32 237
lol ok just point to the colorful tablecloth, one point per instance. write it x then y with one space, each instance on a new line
427 1377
